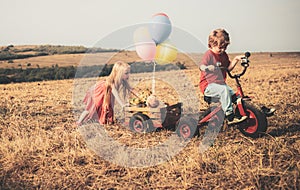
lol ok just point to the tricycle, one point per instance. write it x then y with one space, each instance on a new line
254 126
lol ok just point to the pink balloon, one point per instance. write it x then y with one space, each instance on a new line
146 50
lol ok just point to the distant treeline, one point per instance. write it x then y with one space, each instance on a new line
11 53
36 74
58 73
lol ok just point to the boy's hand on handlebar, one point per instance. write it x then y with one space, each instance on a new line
235 61
210 68
238 58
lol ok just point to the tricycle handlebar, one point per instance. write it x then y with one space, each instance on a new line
244 63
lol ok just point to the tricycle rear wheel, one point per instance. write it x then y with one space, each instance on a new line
187 128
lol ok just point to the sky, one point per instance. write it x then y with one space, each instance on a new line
256 25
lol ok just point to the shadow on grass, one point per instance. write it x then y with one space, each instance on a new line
293 128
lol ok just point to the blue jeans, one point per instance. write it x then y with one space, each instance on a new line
224 93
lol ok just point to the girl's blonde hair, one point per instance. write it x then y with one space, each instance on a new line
218 37
115 78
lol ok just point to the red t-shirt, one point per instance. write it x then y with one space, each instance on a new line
218 76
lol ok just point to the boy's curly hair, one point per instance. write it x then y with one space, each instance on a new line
218 37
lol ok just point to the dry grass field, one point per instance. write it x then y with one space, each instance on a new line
41 148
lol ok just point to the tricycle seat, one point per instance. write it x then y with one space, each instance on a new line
209 99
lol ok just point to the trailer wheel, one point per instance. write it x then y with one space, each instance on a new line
140 123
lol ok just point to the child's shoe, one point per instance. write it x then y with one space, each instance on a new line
233 120
268 111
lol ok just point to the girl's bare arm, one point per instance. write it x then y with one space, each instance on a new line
117 96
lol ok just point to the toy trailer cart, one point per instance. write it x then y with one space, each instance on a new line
146 119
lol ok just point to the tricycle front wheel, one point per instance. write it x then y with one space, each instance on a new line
256 123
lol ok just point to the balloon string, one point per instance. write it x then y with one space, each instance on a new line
153 78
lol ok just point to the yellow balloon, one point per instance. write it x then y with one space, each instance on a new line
165 52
